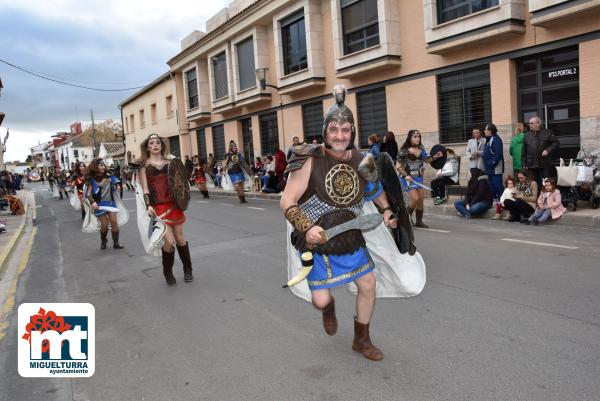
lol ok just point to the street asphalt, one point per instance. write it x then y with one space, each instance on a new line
499 319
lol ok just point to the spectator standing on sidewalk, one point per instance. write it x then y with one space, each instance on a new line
525 197
493 156
475 147
478 198
516 148
538 145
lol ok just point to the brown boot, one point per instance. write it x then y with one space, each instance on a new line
329 320
168 258
420 220
103 239
115 238
184 255
243 199
362 342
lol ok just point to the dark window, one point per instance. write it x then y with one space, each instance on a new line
464 102
245 56
360 24
174 146
312 119
192 88
247 142
201 138
293 37
447 10
219 63
372 114
218 136
269 134
75 153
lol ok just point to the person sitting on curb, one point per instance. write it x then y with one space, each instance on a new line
525 197
271 187
509 190
549 204
478 198
448 175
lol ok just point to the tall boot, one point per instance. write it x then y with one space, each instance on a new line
420 219
205 194
410 211
330 323
82 214
168 258
115 238
186 259
103 240
242 199
362 342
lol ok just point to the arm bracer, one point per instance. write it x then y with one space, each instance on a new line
298 219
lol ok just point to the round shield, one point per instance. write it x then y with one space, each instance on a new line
179 184
438 163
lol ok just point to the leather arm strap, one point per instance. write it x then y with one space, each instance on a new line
147 200
298 219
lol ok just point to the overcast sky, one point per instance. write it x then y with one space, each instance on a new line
103 44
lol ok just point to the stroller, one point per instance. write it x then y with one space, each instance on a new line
587 186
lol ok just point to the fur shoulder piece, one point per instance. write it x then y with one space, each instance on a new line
300 155
367 168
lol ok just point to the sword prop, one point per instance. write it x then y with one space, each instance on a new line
417 183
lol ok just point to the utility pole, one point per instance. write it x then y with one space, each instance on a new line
94 133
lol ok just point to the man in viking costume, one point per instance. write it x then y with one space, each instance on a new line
237 170
165 189
325 190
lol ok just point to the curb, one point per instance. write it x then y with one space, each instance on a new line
16 235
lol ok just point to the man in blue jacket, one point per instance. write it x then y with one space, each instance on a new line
493 156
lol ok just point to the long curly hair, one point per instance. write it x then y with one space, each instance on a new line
407 143
145 153
92 172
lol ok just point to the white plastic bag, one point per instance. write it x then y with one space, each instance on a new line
585 174
567 175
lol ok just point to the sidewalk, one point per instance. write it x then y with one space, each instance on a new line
14 227
584 216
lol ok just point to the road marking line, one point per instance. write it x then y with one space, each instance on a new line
226 204
256 208
435 230
520 241
9 303
202 201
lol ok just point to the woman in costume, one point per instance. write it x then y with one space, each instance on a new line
159 202
102 190
77 181
236 169
411 166
199 174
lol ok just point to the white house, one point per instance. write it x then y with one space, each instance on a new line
112 152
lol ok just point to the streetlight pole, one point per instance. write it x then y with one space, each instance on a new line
261 76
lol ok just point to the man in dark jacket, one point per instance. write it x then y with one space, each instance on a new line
537 150
493 157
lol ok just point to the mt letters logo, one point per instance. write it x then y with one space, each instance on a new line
56 340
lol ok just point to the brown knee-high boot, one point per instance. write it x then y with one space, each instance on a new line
362 342
168 258
420 219
186 259
103 240
115 238
330 323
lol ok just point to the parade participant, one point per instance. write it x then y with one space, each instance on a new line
237 170
101 191
162 202
61 180
199 175
325 189
77 181
411 166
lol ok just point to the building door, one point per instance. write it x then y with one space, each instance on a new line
174 146
549 88
201 140
269 134
247 142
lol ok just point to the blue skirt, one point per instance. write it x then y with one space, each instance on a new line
236 177
409 186
333 270
99 213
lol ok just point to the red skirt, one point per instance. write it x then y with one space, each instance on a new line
169 213
200 179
